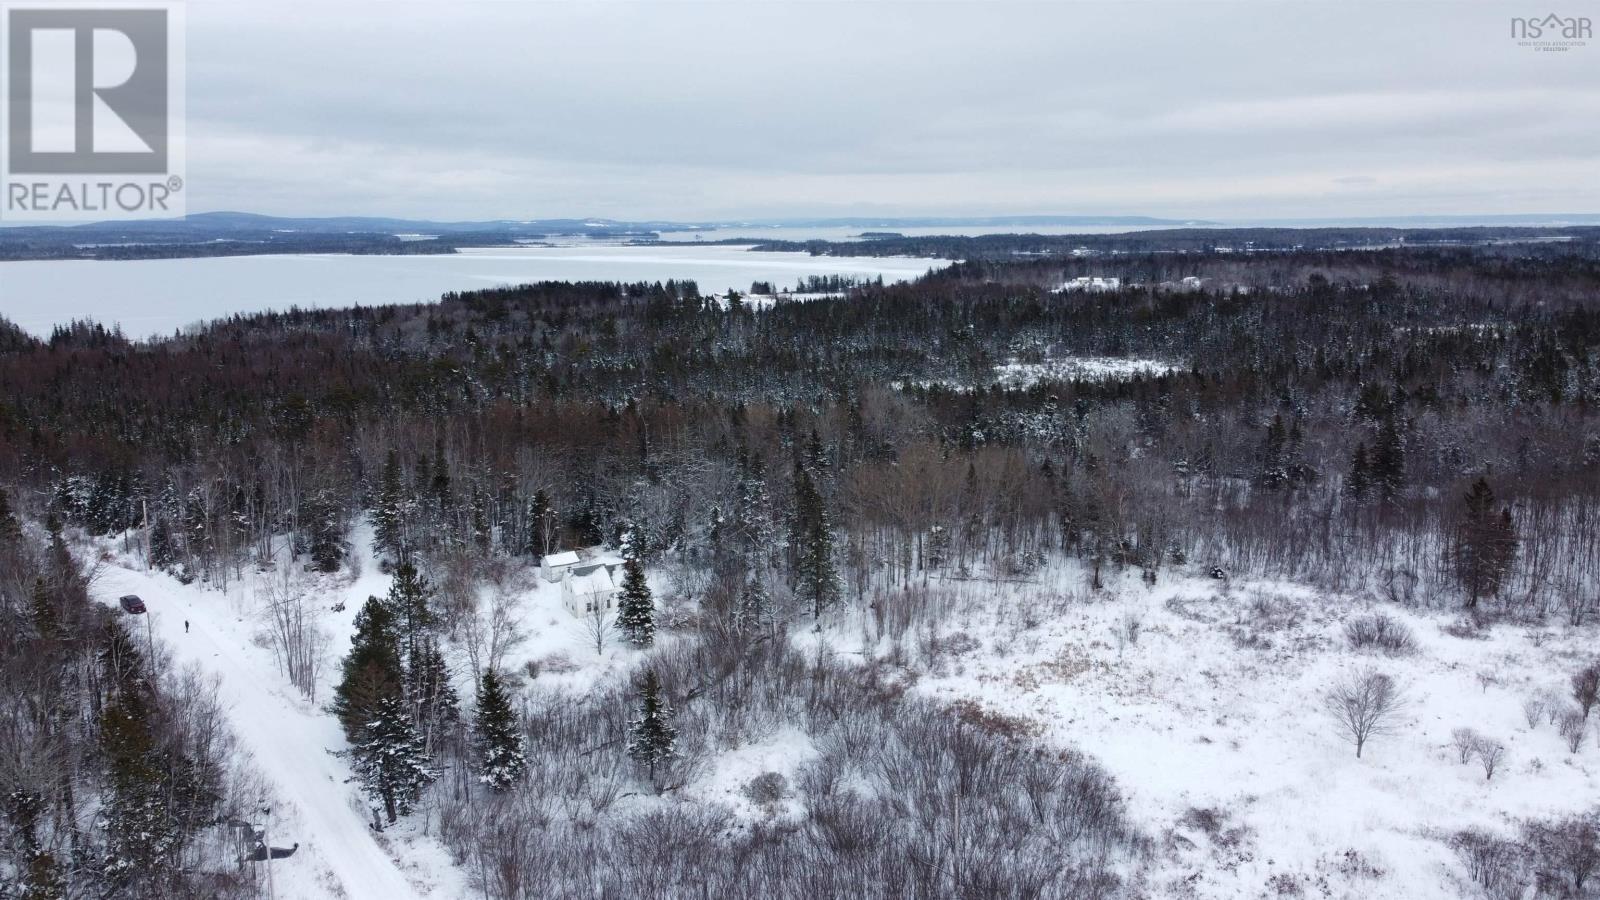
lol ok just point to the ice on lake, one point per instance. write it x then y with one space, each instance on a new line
159 296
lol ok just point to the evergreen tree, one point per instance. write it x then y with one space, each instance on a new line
1274 470
753 610
391 510
324 530
391 759
440 484
9 529
45 617
409 607
371 671
502 755
1359 484
163 546
1387 463
651 733
434 705
817 577
44 878
1485 544
635 608
752 514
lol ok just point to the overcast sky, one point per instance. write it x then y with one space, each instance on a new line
688 110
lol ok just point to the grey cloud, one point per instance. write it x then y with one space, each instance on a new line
692 109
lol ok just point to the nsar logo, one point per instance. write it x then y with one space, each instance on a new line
1553 32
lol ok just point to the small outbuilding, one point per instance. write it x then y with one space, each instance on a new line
555 565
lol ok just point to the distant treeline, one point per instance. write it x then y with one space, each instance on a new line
1185 240
35 245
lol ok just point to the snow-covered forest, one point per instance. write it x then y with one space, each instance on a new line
1262 574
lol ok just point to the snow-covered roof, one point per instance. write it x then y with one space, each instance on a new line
591 580
564 558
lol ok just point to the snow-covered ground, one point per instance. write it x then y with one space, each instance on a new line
1078 368
292 740
1211 719
1018 374
1214 724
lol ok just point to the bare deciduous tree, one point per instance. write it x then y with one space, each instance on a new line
1490 754
1363 704
597 626
296 640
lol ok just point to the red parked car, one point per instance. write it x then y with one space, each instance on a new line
132 604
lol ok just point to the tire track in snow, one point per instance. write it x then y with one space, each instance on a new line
289 742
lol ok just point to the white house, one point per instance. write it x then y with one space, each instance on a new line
587 588
554 565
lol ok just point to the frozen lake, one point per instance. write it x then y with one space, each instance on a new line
159 296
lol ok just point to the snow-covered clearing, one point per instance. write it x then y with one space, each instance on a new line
1203 698
1213 721
1078 368
1017 374
293 741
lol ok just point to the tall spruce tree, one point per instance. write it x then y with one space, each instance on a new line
434 704
753 610
502 754
410 608
1485 544
1359 484
816 574
391 511
391 759
1387 463
371 672
635 608
652 736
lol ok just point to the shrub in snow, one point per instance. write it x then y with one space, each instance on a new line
1573 725
1494 864
1380 632
767 788
1586 687
1466 742
1129 628
1533 710
1566 855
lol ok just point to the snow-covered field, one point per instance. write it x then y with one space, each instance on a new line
1213 721
1203 698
